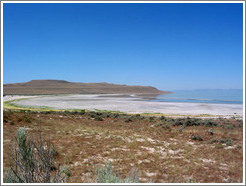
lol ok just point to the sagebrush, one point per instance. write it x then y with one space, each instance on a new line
33 161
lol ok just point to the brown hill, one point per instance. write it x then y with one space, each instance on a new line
41 87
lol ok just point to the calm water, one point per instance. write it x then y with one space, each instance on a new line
230 96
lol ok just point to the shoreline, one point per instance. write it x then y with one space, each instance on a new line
131 104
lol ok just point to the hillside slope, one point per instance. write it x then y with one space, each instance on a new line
41 87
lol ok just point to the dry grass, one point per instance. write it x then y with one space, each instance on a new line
161 155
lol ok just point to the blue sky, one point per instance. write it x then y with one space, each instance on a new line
169 46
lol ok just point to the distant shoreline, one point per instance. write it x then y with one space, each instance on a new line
131 104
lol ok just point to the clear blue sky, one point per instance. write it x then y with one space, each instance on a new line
169 46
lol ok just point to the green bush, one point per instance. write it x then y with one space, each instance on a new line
151 118
192 122
239 146
129 119
10 177
33 161
178 122
98 118
198 138
115 115
106 174
163 118
106 115
189 180
92 114
164 126
82 112
226 141
209 123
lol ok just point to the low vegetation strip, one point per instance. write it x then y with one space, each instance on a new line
162 149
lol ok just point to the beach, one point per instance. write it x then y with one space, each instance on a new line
128 104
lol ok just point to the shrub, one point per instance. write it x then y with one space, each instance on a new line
158 125
33 161
239 146
192 122
198 138
92 114
240 122
98 118
142 118
178 122
129 119
73 112
189 180
210 131
10 177
213 141
151 118
133 176
188 122
82 112
138 117
99 113
209 123
106 174
115 115
163 118
227 141
164 126
106 115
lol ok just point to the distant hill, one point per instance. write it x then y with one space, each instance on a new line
42 87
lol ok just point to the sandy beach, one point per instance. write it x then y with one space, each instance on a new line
128 104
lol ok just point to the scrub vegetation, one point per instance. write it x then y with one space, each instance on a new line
101 146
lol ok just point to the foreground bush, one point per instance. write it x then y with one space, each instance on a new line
106 174
33 162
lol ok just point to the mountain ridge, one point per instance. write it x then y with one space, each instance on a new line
52 86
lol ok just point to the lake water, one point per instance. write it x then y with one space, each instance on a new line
230 96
